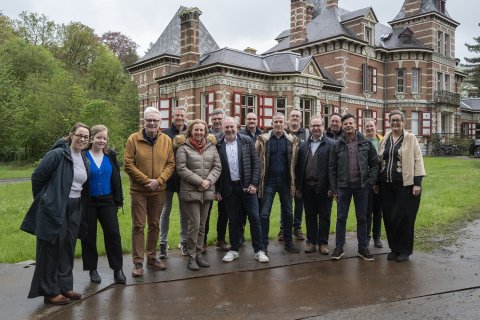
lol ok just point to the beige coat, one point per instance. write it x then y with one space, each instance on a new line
193 168
410 155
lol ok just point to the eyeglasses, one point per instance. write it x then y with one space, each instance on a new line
151 120
81 136
396 120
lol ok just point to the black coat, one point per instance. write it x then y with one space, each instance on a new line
249 167
51 184
173 183
247 133
323 151
115 180
339 163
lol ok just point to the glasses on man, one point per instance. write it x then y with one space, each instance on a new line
81 136
152 120
396 120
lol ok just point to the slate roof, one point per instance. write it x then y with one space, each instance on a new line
393 41
356 14
470 104
169 41
427 6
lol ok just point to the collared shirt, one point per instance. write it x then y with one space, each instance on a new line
232 156
314 144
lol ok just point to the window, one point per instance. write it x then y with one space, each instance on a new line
439 81
415 80
447 45
400 80
440 5
369 78
415 123
407 39
440 45
281 104
369 35
307 107
174 103
327 110
447 82
248 104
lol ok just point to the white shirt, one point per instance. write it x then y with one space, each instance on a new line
314 144
232 156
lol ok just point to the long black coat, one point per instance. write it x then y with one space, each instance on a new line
51 184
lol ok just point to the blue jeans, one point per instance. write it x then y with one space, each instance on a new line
360 199
297 213
286 212
239 205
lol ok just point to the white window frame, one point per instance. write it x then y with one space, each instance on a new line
307 105
415 125
282 109
415 80
400 78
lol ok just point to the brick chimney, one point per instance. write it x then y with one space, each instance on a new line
189 37
412 7
299 17
332 4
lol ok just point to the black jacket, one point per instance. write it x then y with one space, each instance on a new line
247 133
323 151
51 183
115 180
249 167
367 162
173 183
332 135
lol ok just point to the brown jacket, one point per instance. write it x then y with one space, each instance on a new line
144 161
193 168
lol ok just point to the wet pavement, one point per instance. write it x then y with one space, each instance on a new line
291 286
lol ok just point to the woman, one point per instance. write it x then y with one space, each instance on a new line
400 178
198 166
57 216
105 197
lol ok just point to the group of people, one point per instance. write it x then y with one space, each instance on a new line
242 170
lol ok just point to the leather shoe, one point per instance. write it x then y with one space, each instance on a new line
223 245
72 295
119 277
200 259
377 243
402 257
290 247
95 277
57 300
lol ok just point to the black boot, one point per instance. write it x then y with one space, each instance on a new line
95 277
119 277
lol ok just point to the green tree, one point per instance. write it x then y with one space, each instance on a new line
9 100
6 29
36 29
105 76
473 64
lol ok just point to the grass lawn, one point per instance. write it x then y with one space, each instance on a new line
449 200
11 172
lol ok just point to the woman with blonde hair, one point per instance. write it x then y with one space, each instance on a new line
199 167
106 197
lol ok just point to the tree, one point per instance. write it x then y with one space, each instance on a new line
6 29
36 29
9 98
473 64
124 48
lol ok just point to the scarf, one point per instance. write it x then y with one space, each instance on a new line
200 146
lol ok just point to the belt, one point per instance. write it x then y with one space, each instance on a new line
236 182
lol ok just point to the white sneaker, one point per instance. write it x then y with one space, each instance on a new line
230 256
260 256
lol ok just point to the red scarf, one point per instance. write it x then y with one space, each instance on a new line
200 146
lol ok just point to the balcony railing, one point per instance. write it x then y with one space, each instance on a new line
447 97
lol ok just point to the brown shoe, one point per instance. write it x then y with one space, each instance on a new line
280 235
156 264
137 270
324 249
72 295
298 234
310 248
57 300
223 245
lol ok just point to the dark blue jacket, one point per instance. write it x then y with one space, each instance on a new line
323 151
247 133
249 167
51 184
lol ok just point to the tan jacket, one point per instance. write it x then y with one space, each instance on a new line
144 161
410 155
193 168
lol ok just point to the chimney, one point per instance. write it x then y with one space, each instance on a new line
298 22
412 7
310 9
250 50
189 37
473 92
332 4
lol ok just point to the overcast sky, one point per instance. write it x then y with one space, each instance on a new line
232 23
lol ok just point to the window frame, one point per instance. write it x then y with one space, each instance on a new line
398 78
415 88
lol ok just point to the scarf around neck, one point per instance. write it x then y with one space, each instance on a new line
200 146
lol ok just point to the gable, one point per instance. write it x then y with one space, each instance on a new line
312 70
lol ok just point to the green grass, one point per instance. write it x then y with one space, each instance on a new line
11 172
449 200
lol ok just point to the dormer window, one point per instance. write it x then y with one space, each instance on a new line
406 36
440 5
406 39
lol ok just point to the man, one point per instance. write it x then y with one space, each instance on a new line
173 185
313 185
216 117
238 188
335 130
251 130
295 128
278 152
353 166
149 162
374 209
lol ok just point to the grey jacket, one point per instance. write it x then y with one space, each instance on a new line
193 168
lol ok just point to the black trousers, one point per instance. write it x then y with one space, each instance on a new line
374 215
400 209
222 221
105 211
318 210
54 261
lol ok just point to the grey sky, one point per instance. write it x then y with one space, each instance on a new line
232 23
